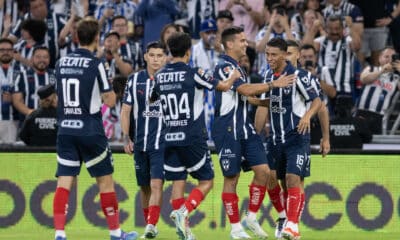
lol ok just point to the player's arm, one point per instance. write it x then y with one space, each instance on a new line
225 85
125 124
260 118
258 101
323 116
252 89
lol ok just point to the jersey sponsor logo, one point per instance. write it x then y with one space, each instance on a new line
274 98
74 124
275 109
152 114
170 77
169 87
71 71
176 136
75 62
342 129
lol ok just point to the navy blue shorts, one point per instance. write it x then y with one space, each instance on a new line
194 159
149 165
235 155
92 150
290 157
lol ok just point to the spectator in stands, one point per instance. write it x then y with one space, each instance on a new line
250 16
55 22
24 92
156 14
114 62
198 12
9 70
167 31
395 24
347 131
345 9
129 49
380 86
110 8
303 20
40 127
8 16
68 39
278 27
33 33
224 21
337 53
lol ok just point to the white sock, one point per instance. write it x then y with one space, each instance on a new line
252 215
282 214
293 226
60 233
116 232
236 226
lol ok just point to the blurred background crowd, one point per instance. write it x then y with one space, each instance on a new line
351 45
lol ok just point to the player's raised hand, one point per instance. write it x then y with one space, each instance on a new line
284 80
324 147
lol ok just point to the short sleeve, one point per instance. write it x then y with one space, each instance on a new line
102 79
203 79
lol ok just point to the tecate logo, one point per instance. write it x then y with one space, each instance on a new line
76 124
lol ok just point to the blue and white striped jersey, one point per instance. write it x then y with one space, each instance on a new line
81 78
180 89
231 108
149 125
132 51
25 49
345 9
8 74
288 105
378 96
29 82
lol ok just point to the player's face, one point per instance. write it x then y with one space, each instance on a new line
335 30
292 55
120 25
41 60
240 44
155 58
307 55
275 57
6 53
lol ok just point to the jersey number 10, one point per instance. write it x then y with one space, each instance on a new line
70 87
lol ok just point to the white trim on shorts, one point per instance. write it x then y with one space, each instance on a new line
196 167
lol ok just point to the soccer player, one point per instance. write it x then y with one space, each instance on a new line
148 140
288 145
81 80
181 91
235 138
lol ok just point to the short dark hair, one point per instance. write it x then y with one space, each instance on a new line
87 31
334 18
179 43
118 17
292 43
229 33
40 48
118 84
278 43
6 40
156 44
36 28
307 47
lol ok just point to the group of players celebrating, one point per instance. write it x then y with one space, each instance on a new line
164 104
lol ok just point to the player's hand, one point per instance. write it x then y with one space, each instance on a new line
284 80
304 125
324 147
235 74
128 145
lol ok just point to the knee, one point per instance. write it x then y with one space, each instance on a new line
292 181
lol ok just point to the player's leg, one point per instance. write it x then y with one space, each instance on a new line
98 160
296 153
68 167
256 160
142 170
229 153
156 186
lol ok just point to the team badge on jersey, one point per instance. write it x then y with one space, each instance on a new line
227 70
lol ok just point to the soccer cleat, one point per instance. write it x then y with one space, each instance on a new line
61 238
239 234
280 223
126 236
180 222
150 231
189 233
254 227
289 233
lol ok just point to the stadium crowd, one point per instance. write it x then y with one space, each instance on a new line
183 72
350 45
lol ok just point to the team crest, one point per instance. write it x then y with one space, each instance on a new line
227 70
225 164
287 90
